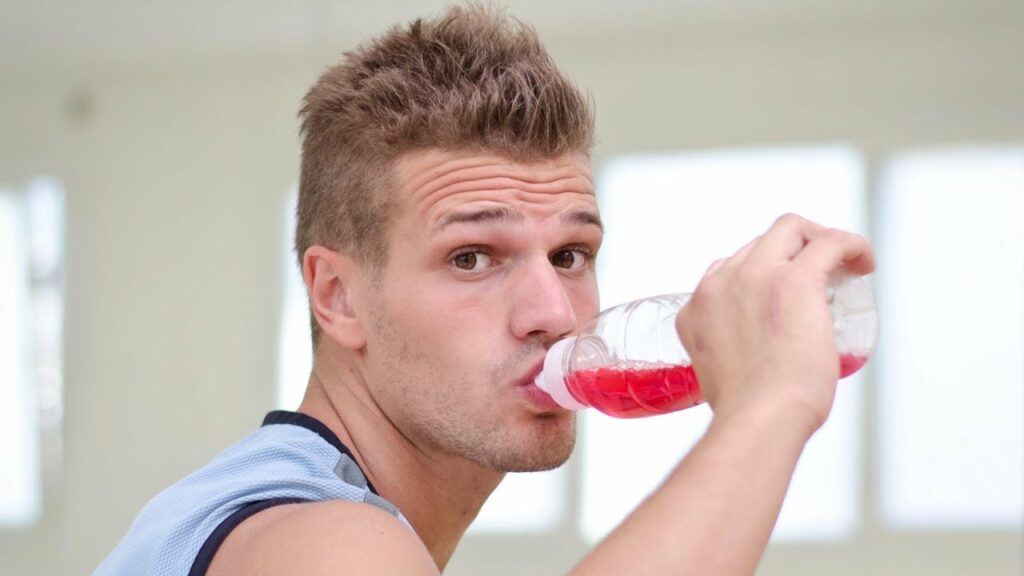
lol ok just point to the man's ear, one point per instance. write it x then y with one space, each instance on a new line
335 283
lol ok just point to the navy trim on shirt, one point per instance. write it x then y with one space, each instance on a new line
220 533
309 423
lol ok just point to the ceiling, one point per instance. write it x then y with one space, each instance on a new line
89 35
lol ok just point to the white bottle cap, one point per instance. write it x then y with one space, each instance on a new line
854 315
552 378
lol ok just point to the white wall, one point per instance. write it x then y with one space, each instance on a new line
176 180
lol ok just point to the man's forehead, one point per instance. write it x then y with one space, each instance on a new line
578 216
423 174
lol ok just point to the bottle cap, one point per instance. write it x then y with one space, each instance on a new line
854 315
552 378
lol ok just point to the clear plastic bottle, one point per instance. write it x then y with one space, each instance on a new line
630 363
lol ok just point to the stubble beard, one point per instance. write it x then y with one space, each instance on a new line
430 410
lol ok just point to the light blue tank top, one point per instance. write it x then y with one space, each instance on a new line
291 458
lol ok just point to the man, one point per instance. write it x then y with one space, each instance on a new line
447 232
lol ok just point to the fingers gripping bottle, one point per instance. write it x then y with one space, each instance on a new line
630 363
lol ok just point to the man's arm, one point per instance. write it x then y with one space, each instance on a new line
715 512
328 538
760 335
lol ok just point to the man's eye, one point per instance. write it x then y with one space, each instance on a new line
470 261
570 259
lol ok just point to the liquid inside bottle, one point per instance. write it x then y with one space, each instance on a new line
637 390
629 362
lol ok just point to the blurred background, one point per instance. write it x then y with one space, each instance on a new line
150 314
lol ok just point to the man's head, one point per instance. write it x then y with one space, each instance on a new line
447 233
469 80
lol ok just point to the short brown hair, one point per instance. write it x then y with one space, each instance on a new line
471 79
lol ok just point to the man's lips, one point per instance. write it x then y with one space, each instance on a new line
532 374
539 398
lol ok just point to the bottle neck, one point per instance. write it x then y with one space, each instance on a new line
552 377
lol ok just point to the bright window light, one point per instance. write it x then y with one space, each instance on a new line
19 444
951 359
528 502
667 218
44 201
295 353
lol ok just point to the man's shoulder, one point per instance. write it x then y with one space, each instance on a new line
327 537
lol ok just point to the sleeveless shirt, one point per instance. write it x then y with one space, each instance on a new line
292 458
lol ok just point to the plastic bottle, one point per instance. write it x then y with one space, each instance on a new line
630 363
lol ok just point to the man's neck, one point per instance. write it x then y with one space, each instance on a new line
438 493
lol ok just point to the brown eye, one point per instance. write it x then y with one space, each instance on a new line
563 258
465 261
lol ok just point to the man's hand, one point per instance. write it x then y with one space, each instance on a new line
758 327
760 336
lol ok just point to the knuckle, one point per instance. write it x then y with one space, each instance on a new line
836 235
707 285
788 219
708 292
683 323
715 266
859 240
692 322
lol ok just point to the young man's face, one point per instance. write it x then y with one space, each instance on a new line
489 263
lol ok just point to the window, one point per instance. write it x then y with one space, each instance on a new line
527 502
657 244
951 365
31 306
295 353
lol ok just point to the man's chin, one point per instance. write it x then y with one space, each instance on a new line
547 452
535 465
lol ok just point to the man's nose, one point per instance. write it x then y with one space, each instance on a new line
542 308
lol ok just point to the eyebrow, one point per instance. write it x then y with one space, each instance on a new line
585 217
503 215
507 216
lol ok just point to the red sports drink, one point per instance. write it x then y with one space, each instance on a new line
633 392
629 361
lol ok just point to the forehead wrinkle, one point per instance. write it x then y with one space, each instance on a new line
474 173
458 185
